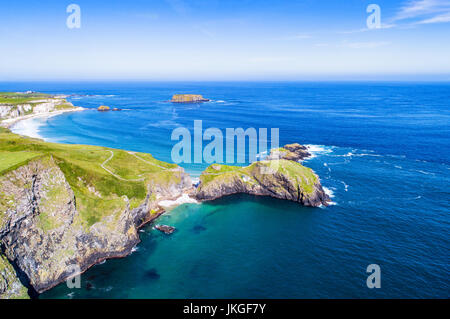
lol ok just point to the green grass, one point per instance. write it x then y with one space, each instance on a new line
12 98
81 165
64 106
10 160
298 174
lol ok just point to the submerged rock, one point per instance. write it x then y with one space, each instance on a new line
152 274
165 229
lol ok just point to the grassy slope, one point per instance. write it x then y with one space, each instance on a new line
98 193
11 98
296 172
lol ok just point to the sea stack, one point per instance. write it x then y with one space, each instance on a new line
188 98
103 108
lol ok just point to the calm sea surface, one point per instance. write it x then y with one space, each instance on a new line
381 149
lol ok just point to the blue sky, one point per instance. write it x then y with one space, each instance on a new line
225 40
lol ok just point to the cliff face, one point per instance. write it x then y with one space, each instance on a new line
20 104
57 216
44 234
282 179
10 285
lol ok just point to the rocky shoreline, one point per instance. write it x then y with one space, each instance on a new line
61 207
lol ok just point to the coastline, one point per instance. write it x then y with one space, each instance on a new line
9 123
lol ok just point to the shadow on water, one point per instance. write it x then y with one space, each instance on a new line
151 274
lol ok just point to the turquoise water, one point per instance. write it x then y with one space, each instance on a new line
380 148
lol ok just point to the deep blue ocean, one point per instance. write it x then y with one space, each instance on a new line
381 149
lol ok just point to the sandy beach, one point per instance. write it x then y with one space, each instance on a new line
24 125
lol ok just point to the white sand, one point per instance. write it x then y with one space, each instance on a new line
10 122
183 199
28 126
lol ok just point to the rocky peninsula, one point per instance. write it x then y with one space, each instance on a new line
278 178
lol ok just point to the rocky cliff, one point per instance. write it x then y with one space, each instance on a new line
10 285
292 152
14 105
282 179
60 212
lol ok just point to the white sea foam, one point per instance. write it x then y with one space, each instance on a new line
134 249
183 199
330 194
345 186
316 150
328 191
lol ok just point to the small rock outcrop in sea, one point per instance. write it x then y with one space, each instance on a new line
165 229
103 108
292 152
188 98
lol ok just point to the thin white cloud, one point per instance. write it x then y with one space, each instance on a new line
437 19
365 45
179 6
300 36
383 26
148 15
425 11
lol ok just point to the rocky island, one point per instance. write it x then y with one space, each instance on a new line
188 98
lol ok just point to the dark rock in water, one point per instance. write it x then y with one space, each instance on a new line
152 274
89 286
292 152
165 229
198 228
